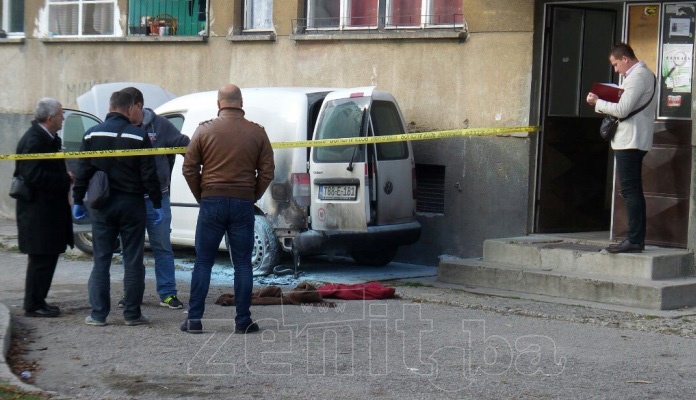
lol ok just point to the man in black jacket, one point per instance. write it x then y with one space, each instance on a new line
130 177
44 226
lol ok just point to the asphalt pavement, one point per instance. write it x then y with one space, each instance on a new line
431 342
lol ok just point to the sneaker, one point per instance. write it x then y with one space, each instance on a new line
142 320
251 328
191 326
172 302
122 302
91 321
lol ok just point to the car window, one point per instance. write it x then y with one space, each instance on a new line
387 121
342 118
176 119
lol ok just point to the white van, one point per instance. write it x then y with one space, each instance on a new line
356 200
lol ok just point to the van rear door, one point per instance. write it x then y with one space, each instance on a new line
340 199
392 165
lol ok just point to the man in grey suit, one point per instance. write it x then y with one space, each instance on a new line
633 139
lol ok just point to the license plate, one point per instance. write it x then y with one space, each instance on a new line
337 192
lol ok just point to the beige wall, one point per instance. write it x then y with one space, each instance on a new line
439 83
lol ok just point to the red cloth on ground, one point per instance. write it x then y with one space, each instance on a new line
358 291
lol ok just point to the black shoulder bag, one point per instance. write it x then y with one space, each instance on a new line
610 123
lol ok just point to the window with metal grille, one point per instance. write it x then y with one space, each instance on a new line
365 14
430 193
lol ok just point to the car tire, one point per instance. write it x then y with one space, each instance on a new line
266 252
374 258
83 241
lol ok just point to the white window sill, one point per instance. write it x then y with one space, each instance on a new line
252 37
12 40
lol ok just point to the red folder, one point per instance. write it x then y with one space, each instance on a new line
607 91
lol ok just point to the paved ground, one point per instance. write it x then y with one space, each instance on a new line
432 343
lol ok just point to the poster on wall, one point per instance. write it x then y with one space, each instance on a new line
676 58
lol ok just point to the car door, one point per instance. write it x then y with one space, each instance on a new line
75 124
340 198
392 166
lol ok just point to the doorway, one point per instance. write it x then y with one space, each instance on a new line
576 187
574 182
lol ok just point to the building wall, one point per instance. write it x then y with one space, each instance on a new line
439 83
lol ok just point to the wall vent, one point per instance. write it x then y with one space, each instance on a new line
430 195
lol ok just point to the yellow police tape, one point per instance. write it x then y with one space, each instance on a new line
284 145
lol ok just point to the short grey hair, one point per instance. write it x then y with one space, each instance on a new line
46 107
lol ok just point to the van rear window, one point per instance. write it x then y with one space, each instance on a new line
342 118
387 121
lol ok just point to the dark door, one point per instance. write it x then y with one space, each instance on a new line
574 184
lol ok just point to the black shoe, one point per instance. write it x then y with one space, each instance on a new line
42 313
251 328
192 326
626 247
52 307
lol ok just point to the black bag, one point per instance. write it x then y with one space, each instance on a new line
610 123
97 190
608 128
19 190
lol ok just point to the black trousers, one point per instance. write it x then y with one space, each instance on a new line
40 269
629 166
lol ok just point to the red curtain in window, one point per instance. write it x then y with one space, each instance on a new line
363 12
405 12
447 12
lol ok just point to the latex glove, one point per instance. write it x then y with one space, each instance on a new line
159 215
79 211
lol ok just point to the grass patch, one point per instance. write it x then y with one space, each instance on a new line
8 392
651 317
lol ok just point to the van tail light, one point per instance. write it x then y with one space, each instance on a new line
414 183
300 189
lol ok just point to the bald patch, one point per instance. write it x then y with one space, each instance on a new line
230 94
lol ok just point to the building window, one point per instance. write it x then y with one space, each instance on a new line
167 17
82 17
12 17
258 15
424 13
362 14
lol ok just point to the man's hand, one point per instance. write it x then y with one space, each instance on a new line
159 215
79 211
592 99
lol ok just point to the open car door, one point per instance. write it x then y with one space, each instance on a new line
339 194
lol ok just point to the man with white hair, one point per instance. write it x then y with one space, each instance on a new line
44 225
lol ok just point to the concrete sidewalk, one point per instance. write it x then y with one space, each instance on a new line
431 343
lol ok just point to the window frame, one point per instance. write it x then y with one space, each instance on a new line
248 16
51 4
384 17
426 17
5 24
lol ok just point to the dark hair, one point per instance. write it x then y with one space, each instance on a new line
120 100
622 50
137 94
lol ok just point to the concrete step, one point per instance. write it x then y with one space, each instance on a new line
666 294
547 253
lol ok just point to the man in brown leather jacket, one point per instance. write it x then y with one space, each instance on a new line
228 166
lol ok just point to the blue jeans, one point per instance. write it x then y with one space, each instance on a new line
629 166
217 216
123 215
160 242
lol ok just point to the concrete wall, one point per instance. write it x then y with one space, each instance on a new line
440 84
